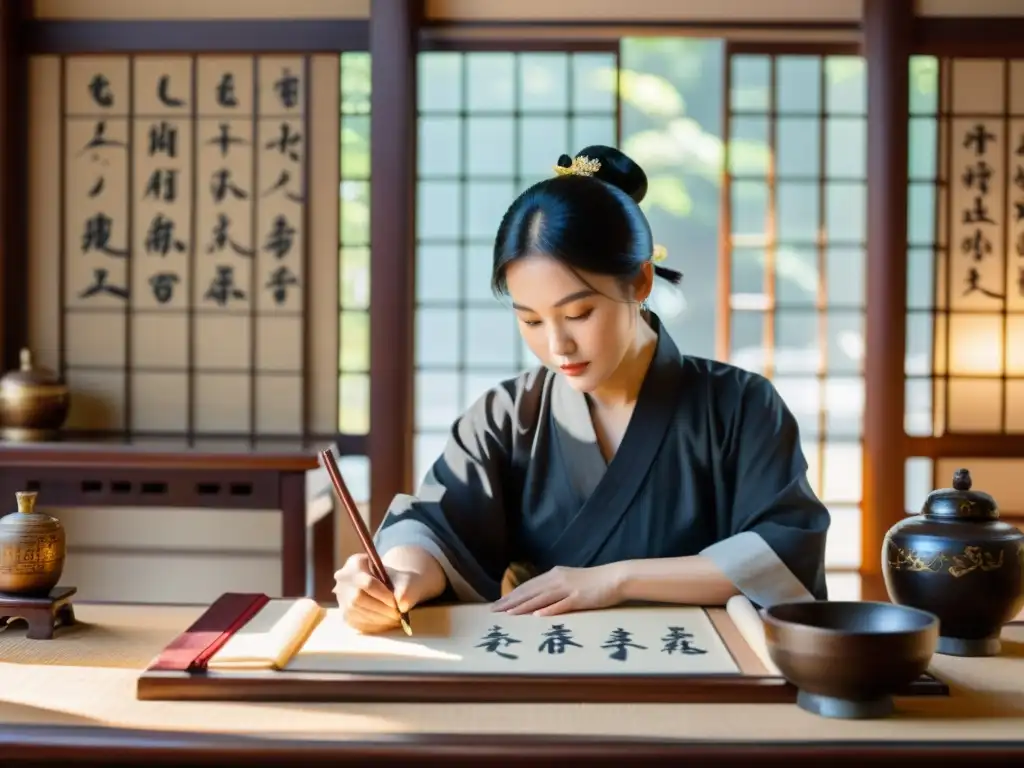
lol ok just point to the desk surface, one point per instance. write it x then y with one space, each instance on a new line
87 676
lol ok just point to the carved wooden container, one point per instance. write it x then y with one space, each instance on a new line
957 560
33 403
32 550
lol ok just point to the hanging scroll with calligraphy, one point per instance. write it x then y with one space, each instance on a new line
162 236
185 243
980 336
97 240
226 225
280 278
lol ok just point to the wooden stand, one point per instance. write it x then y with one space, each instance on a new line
43 614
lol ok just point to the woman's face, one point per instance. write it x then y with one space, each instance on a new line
582 331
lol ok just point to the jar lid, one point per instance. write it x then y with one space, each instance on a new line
29 374
960 501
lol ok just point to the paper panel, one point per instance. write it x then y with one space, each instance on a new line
161 213
1015 406
471 639
322 293
1017 87
279 344
1015 218
281 239
224 219
222 342
281 86
225 86
975 405
975 344
159 339
222 402
163 86
159 401
96 86
278 405
96 212
1015 345
97 402
94 338
999 478
977 279
978 86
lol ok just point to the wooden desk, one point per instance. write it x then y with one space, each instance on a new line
169 474
73 698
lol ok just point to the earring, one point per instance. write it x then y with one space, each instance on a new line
645 306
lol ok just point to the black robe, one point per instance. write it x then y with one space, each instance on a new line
710 464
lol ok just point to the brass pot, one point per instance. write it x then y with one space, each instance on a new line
32 550
33 403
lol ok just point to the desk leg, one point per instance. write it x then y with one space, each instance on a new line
293 534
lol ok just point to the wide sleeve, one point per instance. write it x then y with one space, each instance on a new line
774 548
460 513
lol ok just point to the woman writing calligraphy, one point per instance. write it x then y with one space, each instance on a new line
620 469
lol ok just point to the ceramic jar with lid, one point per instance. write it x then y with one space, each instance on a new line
34 403
959 561
32 550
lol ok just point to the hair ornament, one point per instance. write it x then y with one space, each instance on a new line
580 166
660 254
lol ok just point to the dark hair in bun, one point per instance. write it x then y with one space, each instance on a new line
592 223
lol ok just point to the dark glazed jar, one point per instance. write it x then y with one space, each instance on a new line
957 560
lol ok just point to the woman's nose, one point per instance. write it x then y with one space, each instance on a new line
561 345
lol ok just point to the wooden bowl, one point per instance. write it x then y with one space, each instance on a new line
848 659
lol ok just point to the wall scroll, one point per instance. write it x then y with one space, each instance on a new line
983 337
185 248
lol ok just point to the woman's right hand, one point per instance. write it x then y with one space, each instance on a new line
366 604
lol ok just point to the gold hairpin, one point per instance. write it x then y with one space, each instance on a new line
581 166
660 254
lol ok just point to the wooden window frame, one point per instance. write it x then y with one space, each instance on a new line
819 312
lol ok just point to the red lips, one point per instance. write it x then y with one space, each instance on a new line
574 369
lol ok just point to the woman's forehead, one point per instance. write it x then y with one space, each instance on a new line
538 280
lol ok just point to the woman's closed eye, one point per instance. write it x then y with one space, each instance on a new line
581 316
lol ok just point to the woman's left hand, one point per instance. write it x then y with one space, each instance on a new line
561 590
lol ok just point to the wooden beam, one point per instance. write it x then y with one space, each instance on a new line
967 445
394 26
14 15
887 42
987 37
305 36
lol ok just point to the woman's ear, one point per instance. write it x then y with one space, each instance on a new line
644 282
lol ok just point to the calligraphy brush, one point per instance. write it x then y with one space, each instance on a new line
331 465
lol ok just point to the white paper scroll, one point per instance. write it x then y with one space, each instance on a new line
751 628
984 281
471 639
